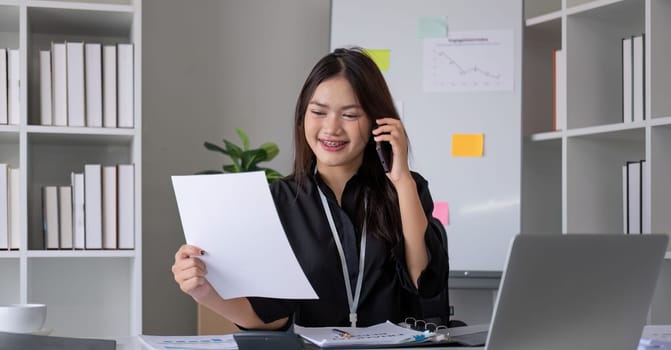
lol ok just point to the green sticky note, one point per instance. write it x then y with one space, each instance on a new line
380 57
432 27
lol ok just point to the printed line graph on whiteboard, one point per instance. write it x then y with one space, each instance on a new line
469 61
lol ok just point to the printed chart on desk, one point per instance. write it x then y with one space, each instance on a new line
455 72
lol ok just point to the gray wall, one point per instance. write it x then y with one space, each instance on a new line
210 67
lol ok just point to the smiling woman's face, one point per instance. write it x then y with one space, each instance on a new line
336 127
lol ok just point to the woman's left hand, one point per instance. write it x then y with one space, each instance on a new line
391 130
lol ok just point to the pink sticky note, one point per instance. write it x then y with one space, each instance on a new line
440 212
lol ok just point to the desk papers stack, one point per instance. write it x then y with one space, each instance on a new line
656 337
386 333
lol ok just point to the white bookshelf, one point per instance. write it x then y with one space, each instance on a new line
594 143
572 177
89 293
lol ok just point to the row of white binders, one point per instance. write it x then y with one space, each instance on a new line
633 82
9 86
9 208
87 84
95 212
635 201
633 79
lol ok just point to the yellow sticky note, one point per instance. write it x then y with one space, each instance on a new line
467 145
380 57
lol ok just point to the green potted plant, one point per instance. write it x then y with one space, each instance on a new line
243 158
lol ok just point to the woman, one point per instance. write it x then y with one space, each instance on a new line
341 211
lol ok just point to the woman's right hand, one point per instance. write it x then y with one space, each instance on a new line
189 272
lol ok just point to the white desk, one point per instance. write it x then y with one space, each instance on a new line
133 343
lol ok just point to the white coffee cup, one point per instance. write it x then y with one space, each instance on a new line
22 318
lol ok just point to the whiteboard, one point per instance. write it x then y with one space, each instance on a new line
483 193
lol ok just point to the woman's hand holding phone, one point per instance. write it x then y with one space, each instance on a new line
383 149
392 147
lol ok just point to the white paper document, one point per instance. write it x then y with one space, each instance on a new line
233 218
202 342
386 333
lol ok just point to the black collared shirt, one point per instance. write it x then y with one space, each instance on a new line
387 292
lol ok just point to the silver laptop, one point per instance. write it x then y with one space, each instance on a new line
577 291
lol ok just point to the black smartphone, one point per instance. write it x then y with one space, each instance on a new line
383 149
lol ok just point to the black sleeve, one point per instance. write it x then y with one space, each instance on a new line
269 310
434 277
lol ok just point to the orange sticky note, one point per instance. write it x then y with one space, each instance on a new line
441 212
468 145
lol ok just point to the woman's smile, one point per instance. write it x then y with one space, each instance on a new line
332 145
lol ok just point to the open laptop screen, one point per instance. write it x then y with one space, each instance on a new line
576 291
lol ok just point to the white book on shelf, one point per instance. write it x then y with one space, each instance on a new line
3 87
110 207
109 87
634 197
14 209
627 81
65 216
13 87
560 89
78 227
645 198
75 72
50 216
94 92
59 84
93 205
625 203
45 88
638 78
125 85
4 207
126 205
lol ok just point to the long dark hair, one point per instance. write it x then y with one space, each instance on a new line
383 217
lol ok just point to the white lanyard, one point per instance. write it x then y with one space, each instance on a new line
353 302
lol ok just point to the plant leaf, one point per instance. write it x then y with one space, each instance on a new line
234 151
208 172
271 150
245 159
212 147
243 136
231 168
272 175
252 157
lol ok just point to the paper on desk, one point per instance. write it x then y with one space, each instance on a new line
233 218
386 333
656 337
199 342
